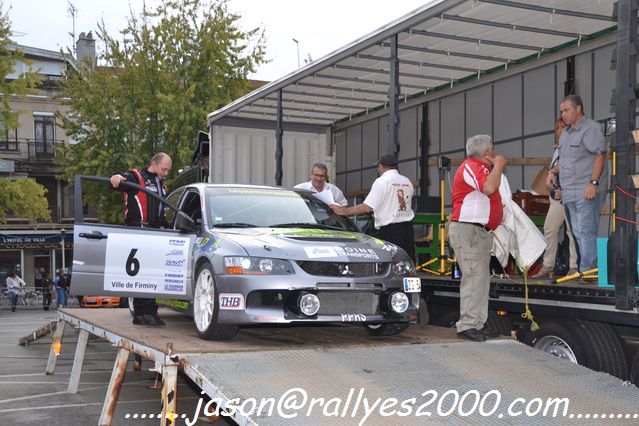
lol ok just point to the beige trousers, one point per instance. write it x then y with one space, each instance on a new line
554 219
472 246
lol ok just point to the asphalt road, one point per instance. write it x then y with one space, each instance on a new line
29 397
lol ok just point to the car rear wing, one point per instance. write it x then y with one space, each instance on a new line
77 197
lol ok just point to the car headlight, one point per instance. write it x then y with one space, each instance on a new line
245 265
402 264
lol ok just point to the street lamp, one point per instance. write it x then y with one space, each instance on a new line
63 233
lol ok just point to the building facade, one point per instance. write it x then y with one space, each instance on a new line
30 151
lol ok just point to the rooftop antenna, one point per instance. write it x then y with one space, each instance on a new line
73 13
297 42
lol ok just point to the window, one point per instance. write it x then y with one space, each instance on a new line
8 139
173 198
44 131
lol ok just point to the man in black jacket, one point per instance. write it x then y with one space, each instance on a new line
143 211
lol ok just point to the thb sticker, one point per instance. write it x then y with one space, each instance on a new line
231 301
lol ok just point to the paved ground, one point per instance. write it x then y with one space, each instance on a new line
29 397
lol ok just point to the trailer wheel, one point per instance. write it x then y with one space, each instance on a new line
565 340
386 329
608 348
127 302
206 307
634 372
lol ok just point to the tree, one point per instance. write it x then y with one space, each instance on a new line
173 65
23 198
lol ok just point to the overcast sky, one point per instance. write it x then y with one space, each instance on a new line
320 26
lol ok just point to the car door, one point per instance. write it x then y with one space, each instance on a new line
132 262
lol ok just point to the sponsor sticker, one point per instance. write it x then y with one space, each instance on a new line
231 301
316 252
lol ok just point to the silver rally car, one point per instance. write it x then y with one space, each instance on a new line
240 254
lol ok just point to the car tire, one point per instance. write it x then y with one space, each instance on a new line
634 369
206 307
386 329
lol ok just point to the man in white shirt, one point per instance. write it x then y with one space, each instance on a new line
15 285
390 201
323 190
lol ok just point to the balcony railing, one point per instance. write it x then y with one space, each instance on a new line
30 149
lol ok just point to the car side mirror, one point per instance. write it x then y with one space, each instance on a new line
185 223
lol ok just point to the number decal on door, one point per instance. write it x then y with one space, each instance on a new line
132 264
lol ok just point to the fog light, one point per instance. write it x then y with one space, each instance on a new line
309 304
399 302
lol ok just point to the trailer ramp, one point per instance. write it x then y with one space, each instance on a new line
340 375
441 382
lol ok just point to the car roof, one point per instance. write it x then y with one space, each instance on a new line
235 185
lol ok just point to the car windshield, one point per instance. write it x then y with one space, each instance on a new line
264 207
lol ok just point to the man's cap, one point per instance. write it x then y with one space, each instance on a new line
387 160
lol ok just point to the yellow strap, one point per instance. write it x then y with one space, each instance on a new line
528 314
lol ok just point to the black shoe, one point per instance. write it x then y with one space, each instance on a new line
488 332
141 320
156 319
13 309
472 334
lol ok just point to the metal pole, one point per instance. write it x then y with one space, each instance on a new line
393 98
622 245
63 234
279 147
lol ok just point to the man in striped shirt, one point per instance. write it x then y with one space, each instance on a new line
477 210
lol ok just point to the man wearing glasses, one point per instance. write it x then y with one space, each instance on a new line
324 190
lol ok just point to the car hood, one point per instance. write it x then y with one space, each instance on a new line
311 244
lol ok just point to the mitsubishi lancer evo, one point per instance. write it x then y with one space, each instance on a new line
237 255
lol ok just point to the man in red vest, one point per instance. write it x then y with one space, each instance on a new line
143 211
477 210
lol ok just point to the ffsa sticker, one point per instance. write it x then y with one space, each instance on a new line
231 301
146 264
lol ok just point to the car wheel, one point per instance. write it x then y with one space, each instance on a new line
386 329
129 304
206 307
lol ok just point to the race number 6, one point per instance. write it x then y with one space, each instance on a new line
132 264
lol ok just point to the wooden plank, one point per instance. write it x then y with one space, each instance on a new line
40 332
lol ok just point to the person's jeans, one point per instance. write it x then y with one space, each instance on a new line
14 297
584 220
61 296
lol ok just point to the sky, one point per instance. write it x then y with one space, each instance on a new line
320 27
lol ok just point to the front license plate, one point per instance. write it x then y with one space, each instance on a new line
412 285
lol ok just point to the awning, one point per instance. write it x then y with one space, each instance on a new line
440 45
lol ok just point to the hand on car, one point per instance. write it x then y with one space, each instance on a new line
116 180
337 209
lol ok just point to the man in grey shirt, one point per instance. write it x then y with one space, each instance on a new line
581 173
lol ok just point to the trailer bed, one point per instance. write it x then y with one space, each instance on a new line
346 367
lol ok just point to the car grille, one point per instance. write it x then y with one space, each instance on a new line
337 269
347 302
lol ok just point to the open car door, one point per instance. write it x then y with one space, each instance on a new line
112 260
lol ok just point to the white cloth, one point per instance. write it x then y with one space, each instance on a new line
15 284
390 198
330 195
517 235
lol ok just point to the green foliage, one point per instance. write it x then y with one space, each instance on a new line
171 66
23 198
18 87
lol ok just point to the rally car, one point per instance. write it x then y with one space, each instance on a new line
241 254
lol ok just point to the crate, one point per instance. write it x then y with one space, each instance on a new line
531 204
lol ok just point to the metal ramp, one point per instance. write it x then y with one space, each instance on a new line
499 368
340 375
